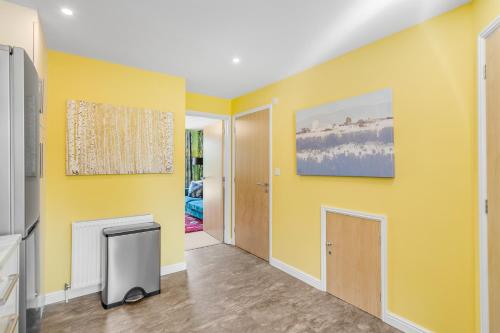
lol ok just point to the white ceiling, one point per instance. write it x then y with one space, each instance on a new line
199 123
197 39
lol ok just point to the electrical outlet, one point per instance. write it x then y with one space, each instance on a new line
277 172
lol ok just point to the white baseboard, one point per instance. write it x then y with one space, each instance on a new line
296 273
174 268
58 296
404 324
54 297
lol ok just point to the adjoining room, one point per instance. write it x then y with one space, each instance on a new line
204 186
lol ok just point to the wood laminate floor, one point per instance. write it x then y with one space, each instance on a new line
223 290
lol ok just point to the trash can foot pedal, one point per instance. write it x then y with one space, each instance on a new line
134 299
134 295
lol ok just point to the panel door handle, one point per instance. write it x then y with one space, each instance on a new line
265 185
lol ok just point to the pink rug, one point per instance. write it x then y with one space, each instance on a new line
192 224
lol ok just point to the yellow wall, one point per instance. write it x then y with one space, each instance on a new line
205 103
71 198
430 203
485 12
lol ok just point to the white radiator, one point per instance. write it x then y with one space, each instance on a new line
86 249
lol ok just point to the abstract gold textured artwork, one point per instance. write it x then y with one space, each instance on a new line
103 139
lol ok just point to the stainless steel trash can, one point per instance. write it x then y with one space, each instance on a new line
131 263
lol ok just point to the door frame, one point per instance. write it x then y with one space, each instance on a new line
270 181
226 119
482 174
382 219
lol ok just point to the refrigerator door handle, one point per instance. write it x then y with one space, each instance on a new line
30 229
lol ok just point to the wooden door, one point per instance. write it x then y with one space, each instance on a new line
493 176
252 183
353 261
213 184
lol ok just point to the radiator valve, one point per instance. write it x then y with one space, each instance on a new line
67 286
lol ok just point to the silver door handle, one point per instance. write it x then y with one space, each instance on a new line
329 244
263 184
12 283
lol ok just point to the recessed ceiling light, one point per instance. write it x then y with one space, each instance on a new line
67 11
236 60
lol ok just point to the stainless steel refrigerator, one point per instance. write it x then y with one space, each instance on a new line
20 106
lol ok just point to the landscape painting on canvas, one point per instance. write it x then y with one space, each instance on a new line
352 137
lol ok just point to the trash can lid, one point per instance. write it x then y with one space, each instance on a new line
130 229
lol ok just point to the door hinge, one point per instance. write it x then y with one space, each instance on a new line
486 206
484 72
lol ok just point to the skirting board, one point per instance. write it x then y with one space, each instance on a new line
296 273
58 296
403 324
174 268
390 318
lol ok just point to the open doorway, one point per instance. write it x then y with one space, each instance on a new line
204 181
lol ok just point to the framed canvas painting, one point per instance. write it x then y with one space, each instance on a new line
351 137
104 139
